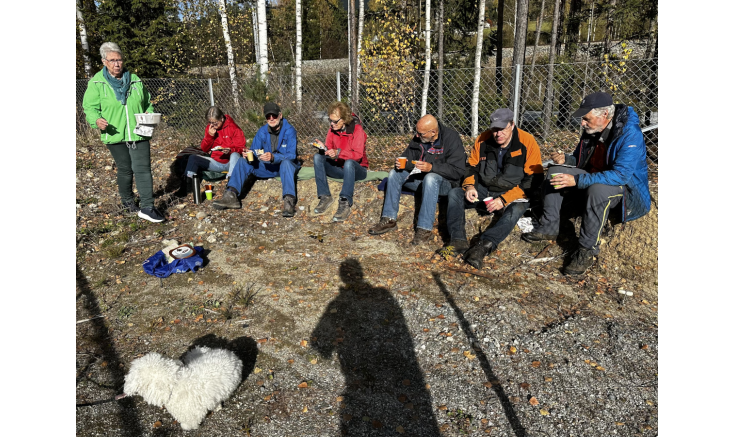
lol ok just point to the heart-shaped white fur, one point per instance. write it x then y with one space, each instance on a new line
190 389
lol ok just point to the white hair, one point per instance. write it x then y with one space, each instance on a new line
597 112
108 47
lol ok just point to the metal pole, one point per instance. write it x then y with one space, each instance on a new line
517 94
211 93
339 89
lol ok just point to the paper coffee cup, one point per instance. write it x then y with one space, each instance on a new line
250 155
208 193
402 162
487 200
554 175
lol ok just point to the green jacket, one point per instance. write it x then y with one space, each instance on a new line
100 102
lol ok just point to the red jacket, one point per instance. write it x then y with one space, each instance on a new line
229 136
351 141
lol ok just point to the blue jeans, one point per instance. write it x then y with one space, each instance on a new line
196 162
432 186
351 172
457 204
285 169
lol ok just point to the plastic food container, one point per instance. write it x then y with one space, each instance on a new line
153 118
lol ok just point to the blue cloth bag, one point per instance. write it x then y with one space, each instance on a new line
159 267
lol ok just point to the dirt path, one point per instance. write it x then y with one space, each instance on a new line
343 333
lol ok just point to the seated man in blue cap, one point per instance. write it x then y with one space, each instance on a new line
275 147
609 168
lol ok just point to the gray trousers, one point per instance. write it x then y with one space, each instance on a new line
598 200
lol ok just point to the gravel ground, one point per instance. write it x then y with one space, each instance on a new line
343 333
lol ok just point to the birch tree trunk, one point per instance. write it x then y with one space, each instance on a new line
427 57
440 67
256 44
230 55
298 54
354 96
549 101
85 45
349 51
361 24
519 42
262 39
499 54
478 59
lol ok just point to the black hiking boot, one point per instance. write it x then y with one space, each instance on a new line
582 259
477 253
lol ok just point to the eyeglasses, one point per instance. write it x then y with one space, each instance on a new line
496 130
271 117
423 134
334 121
114 61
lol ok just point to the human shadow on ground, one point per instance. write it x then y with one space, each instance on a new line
98 334
246 348
384 384
490 375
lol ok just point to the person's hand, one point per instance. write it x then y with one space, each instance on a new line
471 195
423 166
558 157
332 153
494 205
562 181
398 164
225 151
212 130
266 157
101 123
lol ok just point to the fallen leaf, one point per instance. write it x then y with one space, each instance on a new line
543 412
406 382
536 364
340 398
443 407
377 424
533 401
469 355
305 410
444 427
304 343
290 361
513 350
257 370
303 385
262 340
313 361
157 424
347 417
400 430
525 385
488 384
548 379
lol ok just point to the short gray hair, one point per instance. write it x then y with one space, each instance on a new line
108 47
597 112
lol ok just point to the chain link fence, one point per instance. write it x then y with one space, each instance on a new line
389 115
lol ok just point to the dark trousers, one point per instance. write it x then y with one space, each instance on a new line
457 204
598 200
133 159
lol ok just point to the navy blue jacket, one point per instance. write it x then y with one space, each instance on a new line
625 162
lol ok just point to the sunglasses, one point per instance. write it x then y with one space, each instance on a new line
271 117
334 121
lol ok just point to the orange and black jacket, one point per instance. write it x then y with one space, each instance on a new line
521 173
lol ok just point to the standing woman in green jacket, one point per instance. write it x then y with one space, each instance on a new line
113 97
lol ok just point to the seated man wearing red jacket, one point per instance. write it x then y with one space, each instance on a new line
224 138
344 158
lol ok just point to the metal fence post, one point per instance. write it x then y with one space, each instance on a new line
517 94
339 89
211 93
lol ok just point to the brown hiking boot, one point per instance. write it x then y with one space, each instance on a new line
343 211
289 205
324 203
384 225
228 200
421 236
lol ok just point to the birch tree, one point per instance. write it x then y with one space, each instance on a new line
519 43
256 44
230 55
427 57
298 54
549 101
539 23
83 38
499 54
360 26
354 94
262 40
440 67
478 58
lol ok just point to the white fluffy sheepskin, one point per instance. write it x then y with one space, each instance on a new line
190 389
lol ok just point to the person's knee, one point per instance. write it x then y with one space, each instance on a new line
433 180
598 192
455 195
287 167
319 158
351 165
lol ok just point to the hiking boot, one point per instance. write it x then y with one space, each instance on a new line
343 210
582 259
289 203
151 214
228 200
421 236
477 253
130 207
534 236
324 203
454 248
384 225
